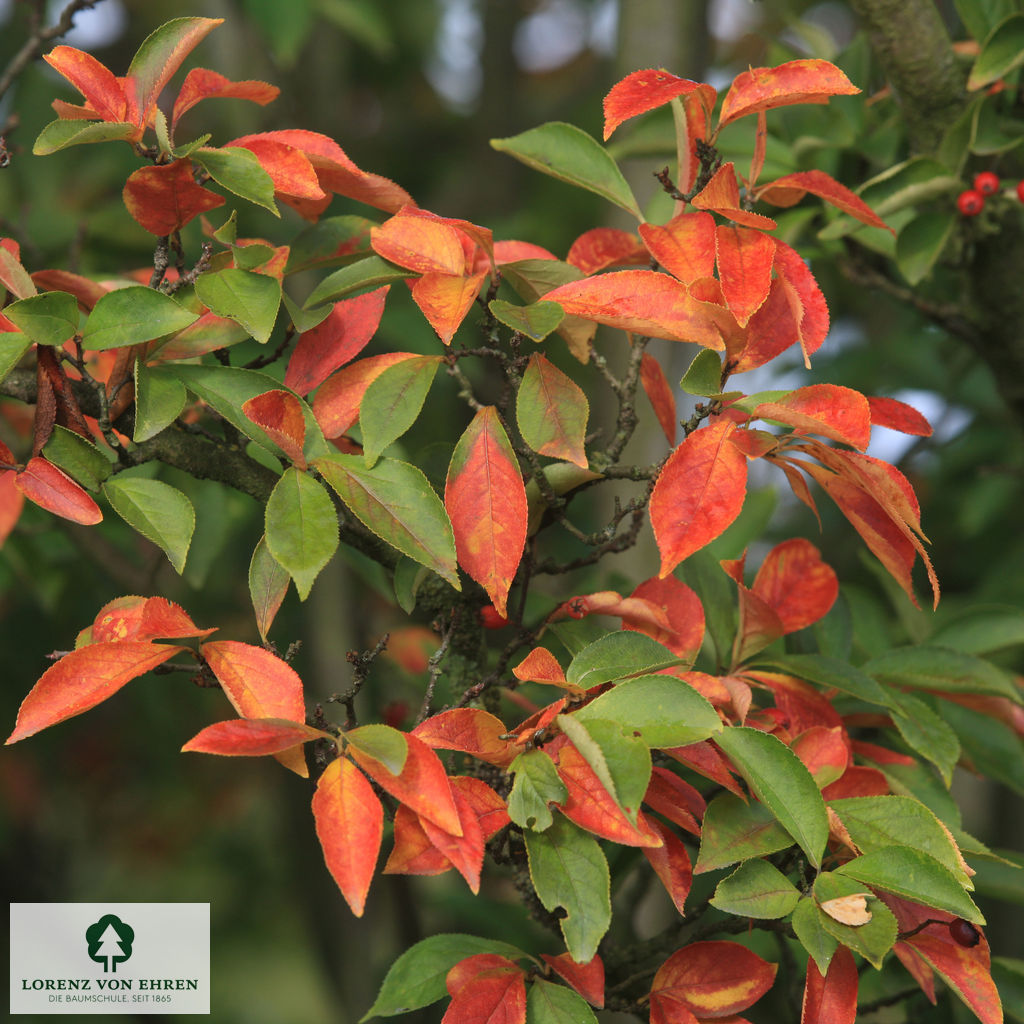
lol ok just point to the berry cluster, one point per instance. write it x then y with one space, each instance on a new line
971 201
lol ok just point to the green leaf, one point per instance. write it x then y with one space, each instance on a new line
1001 52
872 940
268 584
733 830
617 656
980 17
831 673
664 710
129 316
942 670
780 781
417 977
13 345
301 527
756 889
569 870
77 457
49 318
156 510
409 575
813 935
993 748
982 629
305 319
330 240
570 154
1008 974
562 477
704 376
381 742
537 784
536 321
915 876
252 256
927 733
159 401
921 242
60 134
393 402
547 1003
238 171
250 299
876 822
717 594
370 272
396 502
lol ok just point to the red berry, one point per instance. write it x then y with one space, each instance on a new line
490 619
986 183
964 933
970 203
1020 191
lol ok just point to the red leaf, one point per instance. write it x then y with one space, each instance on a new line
486 502
336 404
11 502
659 393
685 615
641 301
758 624
802 706
445 299
587 979
201 84
293 175
685 246
279 413
349 824
831 999
102 90
600 248
675 799
466 850
707 760
744 258
699 492
142 618
796 584
471 731
796 81
824 751
639 92
88 292
252 737
827 409
791 188
541 666
165 197
671 864
770 331
857 780
84 678
666 1009
714 979
897 415
486 989
421 784
722 195
50 488
806 302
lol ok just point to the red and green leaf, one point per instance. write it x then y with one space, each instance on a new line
587 978
831 999
50 488
552 412
336 404
279 413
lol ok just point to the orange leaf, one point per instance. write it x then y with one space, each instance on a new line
796 584
641 301
587 979
201 84
659 393
744 258
421 244
671 864
796 81
466 850
697 106
413 853
142 618
279 413
699 492
445 299
412 647
256 681
769 332
791 188
639 92
252 737
50 488
486 989
714 979
600 248
471 731
336 404
685 246
827 409
637 611
422 784
685 615
510 251
758 624
824 751
675 799
293 175
84 678
165 197
349 824
831 999
897 415
102 90
722 195
805 299
486 502
11 502
541 666
489 808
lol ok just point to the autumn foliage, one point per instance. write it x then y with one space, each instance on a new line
673 728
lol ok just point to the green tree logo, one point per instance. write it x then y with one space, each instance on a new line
110 942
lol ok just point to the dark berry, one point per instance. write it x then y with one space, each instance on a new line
490 619
970 203
964 933
986 183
